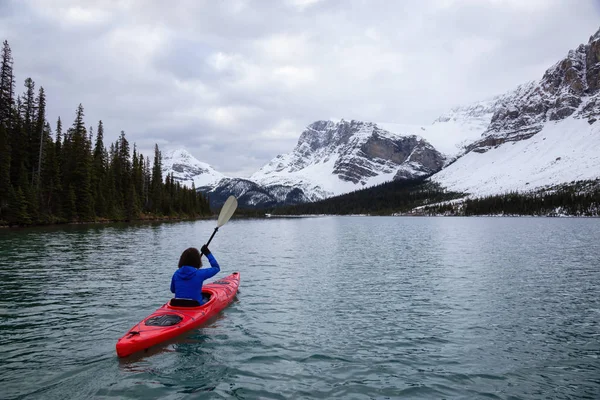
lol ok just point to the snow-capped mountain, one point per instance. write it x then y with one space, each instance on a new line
253 195
332 158
543 133
454 130
187 169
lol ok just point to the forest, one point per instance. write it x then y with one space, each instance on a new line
423 197
384 199
580 199
68 175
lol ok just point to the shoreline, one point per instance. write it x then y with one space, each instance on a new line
272 216
104 221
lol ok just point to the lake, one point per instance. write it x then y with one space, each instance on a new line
331 307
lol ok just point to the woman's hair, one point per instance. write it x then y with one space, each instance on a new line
190 257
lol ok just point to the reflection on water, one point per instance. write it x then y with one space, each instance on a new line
328 307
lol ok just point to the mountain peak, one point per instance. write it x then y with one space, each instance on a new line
187 169
179 153
337 157
595 36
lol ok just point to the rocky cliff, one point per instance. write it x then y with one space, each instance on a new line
569 88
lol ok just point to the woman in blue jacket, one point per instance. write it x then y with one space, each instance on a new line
187 280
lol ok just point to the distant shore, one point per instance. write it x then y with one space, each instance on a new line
104 221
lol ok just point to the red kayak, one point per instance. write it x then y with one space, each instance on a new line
178 316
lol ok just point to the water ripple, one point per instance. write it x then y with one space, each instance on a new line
328 308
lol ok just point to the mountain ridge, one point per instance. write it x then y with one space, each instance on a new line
542 132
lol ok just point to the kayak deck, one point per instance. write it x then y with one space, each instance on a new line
170 321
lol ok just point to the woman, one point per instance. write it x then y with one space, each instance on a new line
187 280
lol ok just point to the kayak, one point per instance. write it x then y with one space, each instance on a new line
178 316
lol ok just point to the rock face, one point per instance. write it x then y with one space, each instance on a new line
252 195
331 158
569 88
542 134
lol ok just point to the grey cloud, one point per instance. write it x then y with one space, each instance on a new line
236 82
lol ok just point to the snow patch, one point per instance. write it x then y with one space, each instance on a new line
188 170
561 152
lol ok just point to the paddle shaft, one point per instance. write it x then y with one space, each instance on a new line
226 212
212 236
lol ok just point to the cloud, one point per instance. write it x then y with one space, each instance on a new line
236 82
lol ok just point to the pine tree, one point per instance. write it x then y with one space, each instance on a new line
50 176
156 184
18 208
147 183
109 186
19 162
138 176
29 200
58 143
81 176
45 180
7 86
5 157
29 116
126 185
70 203
99 171
39 129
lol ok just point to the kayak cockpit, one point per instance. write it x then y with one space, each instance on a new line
207 296
175 302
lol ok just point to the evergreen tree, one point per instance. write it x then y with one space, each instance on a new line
18 208
58 143
39 130
81 176
126 182
50 177
112 207
30 199
138 177
43 179
156 184
147 184
29 117
7 86
99 171
5 157
19 154
70 203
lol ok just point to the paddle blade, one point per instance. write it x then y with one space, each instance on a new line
227 211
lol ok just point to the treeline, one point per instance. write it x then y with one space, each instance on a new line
581 198
70 176
385 199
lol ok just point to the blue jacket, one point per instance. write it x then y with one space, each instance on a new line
187 281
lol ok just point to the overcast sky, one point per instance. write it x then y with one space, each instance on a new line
235 82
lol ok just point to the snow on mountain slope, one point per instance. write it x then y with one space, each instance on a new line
563 151
453 131
332 158
569 87
187 170
543 133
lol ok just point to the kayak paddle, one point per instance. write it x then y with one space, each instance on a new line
226 213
